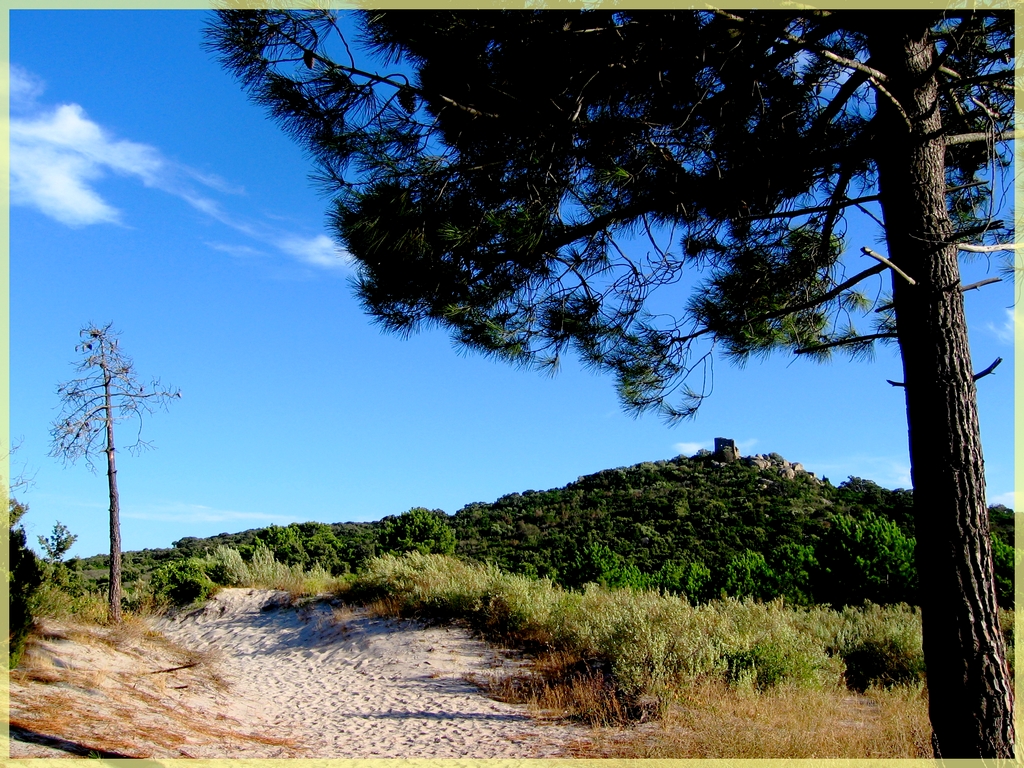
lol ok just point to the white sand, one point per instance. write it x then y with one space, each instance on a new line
343 685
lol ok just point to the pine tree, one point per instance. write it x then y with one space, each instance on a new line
108 392
489 170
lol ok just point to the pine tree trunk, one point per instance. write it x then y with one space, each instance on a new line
969 687
114 589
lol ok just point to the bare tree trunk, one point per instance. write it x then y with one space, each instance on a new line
114 590
970 697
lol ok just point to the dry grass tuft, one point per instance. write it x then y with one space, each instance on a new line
387 607
36 668
562 685
341 616
713 720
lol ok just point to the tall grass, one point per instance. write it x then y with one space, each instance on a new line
614 656
651 640
226 567
52 602
75 602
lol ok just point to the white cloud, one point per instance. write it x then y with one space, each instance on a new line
67 128
25 88
688 449
55 158
57 184
180 512
242 251
319 251
1005 331
59 156
213 181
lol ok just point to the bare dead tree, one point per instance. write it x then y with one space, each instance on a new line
107 392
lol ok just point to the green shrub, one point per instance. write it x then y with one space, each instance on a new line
421 530
880 645
24 579
226 567
139 600
763 665
866 558
884 663
89 606
691 579
1006 623
263 571
768 644
793 566
596 563
65 579
748 575
182 581
653 642
1003 560
286 543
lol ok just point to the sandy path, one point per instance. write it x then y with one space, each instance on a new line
344 685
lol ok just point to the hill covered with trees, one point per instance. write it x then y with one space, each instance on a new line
757 527
697 526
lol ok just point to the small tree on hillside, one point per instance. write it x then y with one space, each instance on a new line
57 544
420 529
108 392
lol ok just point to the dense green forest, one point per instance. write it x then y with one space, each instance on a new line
757 527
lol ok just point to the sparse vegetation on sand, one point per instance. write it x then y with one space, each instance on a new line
85 688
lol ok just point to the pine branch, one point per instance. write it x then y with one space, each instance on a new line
889 264
310 56
792 309
966 186
990 369
989 248
838 205
963 289
991 78
980 374
967 138
980 283
846 90
874 76
846 342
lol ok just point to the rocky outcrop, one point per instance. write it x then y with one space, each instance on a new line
773 462
726 453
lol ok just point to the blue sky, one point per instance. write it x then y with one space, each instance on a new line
148 191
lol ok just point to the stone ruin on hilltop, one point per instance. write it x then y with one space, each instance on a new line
726 453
